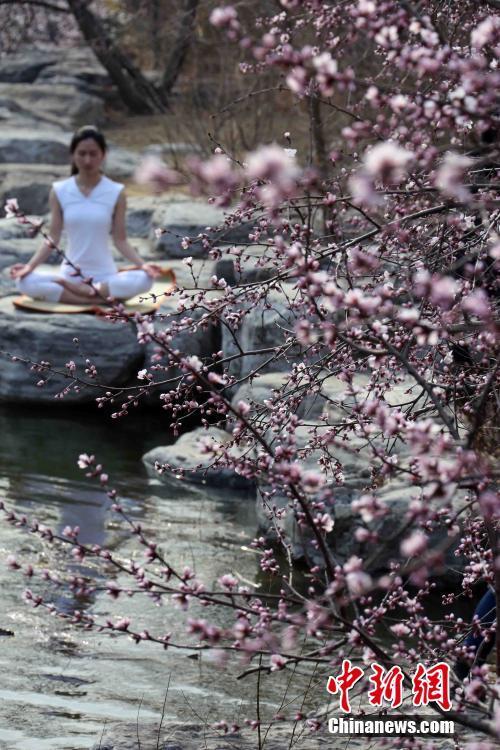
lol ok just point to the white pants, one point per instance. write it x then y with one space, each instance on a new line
124 285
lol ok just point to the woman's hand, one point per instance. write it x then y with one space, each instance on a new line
152 269
20 270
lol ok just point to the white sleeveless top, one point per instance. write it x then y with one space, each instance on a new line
87 222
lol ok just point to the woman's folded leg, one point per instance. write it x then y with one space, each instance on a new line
39 285
127 284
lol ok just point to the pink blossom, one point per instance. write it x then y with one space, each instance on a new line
400 629
271 163
228 581
11 208
122 624
325 522
477 303
358 582
443 292
84 460
486 33
312 481
387 162
326 71
223 16
415 544
243 407
277 662
297 80
450 175
193 363
145 330
153 173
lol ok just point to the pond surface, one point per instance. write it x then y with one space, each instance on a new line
60 685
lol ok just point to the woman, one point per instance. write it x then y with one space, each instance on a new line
89 207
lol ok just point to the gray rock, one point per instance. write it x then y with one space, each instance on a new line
139 222
185 454
11 229
38 146
328 400
186 736
140 212
193 337
121 163
112 348
55 102
21 69
188 218
261 328
30 184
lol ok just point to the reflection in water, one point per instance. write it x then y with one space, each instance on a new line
60 684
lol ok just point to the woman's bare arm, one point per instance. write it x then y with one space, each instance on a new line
55 230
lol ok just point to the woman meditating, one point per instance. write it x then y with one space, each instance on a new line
89 207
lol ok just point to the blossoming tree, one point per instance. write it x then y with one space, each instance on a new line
375 256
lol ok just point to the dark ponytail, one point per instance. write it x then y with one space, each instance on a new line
88 131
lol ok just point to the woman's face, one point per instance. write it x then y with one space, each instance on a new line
88 157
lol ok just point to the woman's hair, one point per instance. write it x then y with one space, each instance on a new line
88 131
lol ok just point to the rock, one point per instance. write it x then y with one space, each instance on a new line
25 68
163 150
30 184
200 340
16 250
252 265
185 454
121 163
11 229
186 736
264 387
188 218
261 329
139 222
88 78
55 103
112 348
13 116
37 146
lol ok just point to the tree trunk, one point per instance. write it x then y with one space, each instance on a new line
137 92
179 49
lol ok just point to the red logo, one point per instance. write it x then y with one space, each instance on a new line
428 685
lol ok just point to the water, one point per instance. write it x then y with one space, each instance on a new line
61 685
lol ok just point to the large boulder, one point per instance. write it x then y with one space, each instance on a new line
81 68
30 184
197 467
11 229
113 349
191 333
24 68
55 103
33 146
186 218
121 163
186 736
263 329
